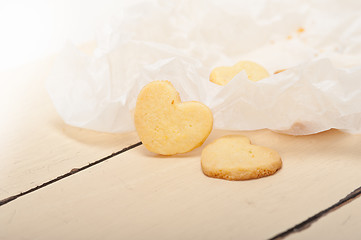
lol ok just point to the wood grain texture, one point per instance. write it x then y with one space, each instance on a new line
140 195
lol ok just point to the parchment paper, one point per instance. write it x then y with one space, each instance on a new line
318 42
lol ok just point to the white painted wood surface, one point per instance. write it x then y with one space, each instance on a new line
139 195
36 146
344 223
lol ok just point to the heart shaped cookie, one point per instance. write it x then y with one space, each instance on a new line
167 126
222 75
233 157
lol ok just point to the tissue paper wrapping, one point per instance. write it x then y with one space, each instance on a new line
318 44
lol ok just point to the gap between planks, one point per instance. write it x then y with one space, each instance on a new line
297 228
73 171
308 222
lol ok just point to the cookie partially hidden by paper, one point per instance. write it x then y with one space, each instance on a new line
167 126
222 75
233 157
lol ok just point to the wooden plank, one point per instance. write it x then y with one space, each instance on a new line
139 195
36 146
344 223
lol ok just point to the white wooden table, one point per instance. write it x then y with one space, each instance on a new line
135 194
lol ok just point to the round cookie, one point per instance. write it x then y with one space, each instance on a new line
167 126
222 75
233 157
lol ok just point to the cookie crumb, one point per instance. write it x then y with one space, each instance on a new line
300 30
278 71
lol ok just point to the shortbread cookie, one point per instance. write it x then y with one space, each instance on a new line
235 158
167 126
254 71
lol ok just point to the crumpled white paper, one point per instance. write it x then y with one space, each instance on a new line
318 43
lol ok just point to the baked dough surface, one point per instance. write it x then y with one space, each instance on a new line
233 157
222 75
167 126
